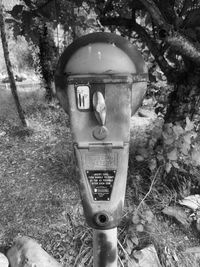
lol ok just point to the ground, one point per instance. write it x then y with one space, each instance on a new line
40 197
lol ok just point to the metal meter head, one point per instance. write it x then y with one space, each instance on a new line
100 82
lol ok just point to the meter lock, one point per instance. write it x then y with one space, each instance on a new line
83 97
99 107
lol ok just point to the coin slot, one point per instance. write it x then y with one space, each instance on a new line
83 97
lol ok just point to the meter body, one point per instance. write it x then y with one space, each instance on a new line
101 80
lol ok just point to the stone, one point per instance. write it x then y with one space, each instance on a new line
3 260
26 252
147 257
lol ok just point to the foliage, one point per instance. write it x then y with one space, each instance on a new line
180 146
170 31
38 22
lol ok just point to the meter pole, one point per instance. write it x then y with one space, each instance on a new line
105 248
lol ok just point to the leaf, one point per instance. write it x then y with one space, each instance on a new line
189 125
196 156
175 164
168 128
168 167
178 213
187 138
172 155
185 148
129 246
143 152
91 21
135 219
135 240
178 130
149 216
192 202
168 139
140 228
139 158
152 164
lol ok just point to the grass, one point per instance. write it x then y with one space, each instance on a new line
40 197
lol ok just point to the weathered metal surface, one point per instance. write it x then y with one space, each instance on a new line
105 248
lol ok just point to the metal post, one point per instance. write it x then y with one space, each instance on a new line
105 248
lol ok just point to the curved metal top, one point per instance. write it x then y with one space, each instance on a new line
100 52
100 58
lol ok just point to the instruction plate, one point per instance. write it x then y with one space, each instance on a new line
101 183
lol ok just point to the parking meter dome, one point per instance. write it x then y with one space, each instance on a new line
102 54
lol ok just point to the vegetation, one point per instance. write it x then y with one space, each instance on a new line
170 31
40 198
9 67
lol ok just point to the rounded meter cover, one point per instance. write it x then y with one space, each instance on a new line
100 54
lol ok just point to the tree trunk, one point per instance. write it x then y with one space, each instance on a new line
184 101
9 67
47 55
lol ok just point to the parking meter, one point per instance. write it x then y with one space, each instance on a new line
100 81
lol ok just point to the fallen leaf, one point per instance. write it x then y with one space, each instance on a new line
140 228
196 156
129 246
147 257
172 155
168 167
149 216
135 240
135 219
175 164
179 214
192 202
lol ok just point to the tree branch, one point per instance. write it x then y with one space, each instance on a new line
151 43
184 47
155 13
167 10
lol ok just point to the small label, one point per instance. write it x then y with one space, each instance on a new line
83 97
101 184
98 161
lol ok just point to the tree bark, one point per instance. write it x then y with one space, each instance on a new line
9 68
184 101
47 56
